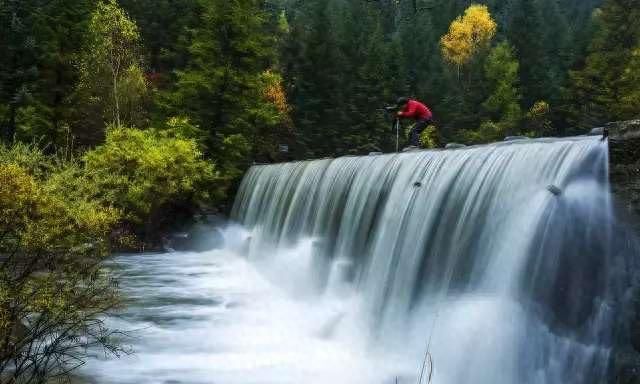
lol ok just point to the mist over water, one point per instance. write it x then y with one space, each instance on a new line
340 271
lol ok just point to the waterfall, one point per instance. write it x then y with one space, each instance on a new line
500 254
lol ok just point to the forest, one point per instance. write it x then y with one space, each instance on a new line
250 76
119 118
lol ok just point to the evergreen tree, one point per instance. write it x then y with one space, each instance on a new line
60 29
526 32
601 90
502 107
314 71
18 63
37 71
223 89
370 79
501 71
162 24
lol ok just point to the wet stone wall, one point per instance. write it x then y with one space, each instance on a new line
624 148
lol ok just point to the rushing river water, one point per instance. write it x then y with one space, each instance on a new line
497 260
214 318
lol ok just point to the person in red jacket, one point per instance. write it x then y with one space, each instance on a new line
413 109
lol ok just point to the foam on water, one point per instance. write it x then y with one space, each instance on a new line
213 318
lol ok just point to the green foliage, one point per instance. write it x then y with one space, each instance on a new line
133 92
335 90
235 150
501 72
630 91
144 174
341 68
503 103
162 25
527 34
145 178
18 63
538 120
181 127
28 157
603 90
112 85
429 137
488 131
222 88
63 215
52 287
333 64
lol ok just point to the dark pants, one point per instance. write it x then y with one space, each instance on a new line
418 128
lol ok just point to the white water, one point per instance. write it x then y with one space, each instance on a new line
352 268
213 318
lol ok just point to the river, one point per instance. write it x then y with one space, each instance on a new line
215 318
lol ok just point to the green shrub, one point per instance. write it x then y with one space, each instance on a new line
53 290
145 174
429 137
29 157
181 127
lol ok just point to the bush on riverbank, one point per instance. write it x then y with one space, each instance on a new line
52 286
152 179
59 219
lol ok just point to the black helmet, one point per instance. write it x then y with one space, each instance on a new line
402 101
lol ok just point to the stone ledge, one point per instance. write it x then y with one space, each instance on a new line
624 152
620 130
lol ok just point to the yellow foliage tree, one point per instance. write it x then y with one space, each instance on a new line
54 289
468 34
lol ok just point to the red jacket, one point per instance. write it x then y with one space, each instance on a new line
416 110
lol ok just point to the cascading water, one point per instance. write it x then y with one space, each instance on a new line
341 270
502 250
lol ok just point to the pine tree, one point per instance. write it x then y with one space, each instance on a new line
60 31
316 89
602 89
37 72
224 87
503 104
18 63
501 71
526 33
162 24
